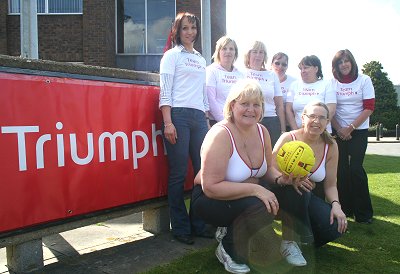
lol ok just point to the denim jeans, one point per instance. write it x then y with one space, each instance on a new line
191 128
307 215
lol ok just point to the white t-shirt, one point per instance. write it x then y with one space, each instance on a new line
218 83
285 85
300 94
189 76
350 99
270 86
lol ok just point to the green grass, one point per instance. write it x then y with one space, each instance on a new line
371 248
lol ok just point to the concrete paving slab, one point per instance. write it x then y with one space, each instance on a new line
116 246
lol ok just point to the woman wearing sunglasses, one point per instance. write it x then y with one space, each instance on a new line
279 65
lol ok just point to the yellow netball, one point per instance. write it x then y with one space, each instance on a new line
295 157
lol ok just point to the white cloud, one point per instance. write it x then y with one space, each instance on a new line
368 28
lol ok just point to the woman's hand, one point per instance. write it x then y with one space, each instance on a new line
344 133
300 183
336 212
170 133
269 199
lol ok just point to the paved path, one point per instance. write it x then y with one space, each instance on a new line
387 146
122 246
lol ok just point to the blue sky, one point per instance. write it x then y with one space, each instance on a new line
368 28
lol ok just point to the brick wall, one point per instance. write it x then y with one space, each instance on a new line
60 37
3 28
99 32
218 17
13 36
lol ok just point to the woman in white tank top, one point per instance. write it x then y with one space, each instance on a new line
323 218
236 154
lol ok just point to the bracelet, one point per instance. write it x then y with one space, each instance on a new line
335 201
168 124
277 179
353 126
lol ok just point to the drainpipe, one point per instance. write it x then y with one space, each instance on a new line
206 30
29 29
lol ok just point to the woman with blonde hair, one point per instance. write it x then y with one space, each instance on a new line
255 60
220 76
236 155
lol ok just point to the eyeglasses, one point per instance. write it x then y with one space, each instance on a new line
316 117
277 63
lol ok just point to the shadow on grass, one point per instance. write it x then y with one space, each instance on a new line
377 164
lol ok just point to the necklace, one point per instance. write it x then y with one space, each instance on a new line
244 141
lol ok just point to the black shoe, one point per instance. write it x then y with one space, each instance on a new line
367 221
206 234
186 239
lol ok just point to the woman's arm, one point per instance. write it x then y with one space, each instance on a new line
166 83
290 116
345 132
330 188
215 107
280 111
332 109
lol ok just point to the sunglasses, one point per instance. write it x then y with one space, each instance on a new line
277 63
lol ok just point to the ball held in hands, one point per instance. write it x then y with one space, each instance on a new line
295 157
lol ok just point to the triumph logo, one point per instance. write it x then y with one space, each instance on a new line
106 137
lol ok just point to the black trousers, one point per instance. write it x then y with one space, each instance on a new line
244 218
352 179
274 128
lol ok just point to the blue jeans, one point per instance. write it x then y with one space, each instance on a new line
191 127
306 215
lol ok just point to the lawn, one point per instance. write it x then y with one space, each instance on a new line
364 248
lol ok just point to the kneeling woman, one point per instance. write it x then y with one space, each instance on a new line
236 154
321 215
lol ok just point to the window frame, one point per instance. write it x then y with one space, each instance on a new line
46 7
146 33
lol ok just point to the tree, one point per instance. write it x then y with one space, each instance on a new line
386 110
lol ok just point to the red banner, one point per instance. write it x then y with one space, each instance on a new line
70 147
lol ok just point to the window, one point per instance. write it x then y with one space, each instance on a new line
50 6
143 26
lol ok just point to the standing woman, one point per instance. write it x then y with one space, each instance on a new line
355 103
279 65
311 87
183 103
274 115
220 76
